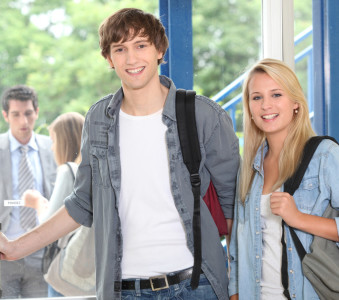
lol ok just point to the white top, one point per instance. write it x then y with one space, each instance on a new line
271 286
63 187
154 240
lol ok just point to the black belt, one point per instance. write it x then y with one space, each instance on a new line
160 282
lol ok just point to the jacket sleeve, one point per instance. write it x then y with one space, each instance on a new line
79 203
233 286
222 160
331 177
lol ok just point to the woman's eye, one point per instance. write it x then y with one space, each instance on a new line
276 95
256 98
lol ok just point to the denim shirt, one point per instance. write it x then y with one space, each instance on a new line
318 187
95 198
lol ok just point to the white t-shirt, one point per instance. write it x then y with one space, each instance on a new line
154 240
271 286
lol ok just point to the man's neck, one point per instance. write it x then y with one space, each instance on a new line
23 140
145 101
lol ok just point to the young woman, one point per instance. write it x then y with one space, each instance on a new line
276 128
65 132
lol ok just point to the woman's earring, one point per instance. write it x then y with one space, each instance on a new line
296 111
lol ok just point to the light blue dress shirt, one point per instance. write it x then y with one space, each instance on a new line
318 187
14 229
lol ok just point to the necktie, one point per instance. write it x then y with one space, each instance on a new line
26 181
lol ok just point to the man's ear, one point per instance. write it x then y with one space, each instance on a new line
110 62
37 112
5 116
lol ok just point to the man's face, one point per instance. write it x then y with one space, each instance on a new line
135 62
21 118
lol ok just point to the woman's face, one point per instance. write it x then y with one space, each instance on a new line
271 108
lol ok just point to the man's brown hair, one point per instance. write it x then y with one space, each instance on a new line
126 24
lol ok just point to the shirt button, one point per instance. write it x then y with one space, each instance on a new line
293 296
257 232
256 208
290 249
257 256
257 280
119 258
291 271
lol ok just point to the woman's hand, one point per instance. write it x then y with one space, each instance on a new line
283 205
35 200
234 297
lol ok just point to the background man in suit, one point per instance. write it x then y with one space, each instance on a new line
20 109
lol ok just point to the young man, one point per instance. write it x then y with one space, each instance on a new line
20 109
132 183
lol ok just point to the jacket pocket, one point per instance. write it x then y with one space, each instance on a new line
100 170
307 194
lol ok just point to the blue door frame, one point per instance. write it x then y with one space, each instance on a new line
176 15
326 66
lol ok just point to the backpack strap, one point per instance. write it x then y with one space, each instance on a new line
290 186
190 148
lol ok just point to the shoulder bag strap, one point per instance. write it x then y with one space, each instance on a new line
71 169
290 186
190 148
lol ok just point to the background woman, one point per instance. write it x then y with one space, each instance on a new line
65 132
276 128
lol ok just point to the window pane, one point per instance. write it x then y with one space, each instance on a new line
303 46
226 41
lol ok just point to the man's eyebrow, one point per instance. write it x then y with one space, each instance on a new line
115 45
136 42
26 111
142 41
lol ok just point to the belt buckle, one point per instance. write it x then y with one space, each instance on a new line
166 286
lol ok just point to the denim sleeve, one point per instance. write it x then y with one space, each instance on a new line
332 167
233 287
79 203
222 161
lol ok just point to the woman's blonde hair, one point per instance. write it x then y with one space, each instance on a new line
67 129
299 132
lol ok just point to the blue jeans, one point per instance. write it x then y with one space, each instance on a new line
181 291
53 293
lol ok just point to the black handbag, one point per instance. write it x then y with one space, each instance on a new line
50 253
321 265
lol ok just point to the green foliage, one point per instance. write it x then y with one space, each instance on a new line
226 40
61 59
